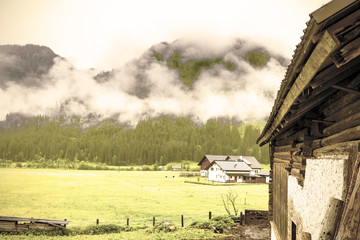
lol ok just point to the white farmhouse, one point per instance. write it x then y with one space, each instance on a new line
241 170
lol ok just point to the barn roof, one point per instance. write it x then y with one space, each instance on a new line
323 61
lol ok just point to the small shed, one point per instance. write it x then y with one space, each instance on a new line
19 224
176 168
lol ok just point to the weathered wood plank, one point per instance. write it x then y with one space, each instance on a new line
345 89
342 148
345 112
288 148
278 160
340 99
283 155
346 123
19 219
343 136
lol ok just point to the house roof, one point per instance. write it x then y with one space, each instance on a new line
329 47
233 166
264 173
249 160
212 158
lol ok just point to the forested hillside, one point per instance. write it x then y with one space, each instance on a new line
162 140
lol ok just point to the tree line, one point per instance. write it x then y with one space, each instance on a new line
154 141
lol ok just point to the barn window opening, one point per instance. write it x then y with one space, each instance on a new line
293 231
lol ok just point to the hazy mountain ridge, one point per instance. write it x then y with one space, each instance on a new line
24 65
179 79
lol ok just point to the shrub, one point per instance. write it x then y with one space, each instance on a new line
218 222
163 226
99 229
145 168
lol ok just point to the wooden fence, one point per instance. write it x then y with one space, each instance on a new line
181 220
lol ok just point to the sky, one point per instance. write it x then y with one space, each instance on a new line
108 33
96 35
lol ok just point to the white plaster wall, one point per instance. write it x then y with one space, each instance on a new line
203 173
324 178
216 175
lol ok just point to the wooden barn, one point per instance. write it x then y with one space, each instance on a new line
314 131
18 224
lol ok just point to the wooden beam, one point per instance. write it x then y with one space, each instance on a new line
343 136
322 50
342 148
288 148
308 106
332 73
341 99
278 160
330 9
346 123
345 112
349 90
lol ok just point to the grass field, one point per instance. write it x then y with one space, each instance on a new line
112 196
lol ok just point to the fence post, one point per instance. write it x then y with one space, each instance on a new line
244 217
97 221
209 215
127 221
182 220
153 221
65 224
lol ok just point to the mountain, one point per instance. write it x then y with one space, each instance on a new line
177 101
24 65
181 79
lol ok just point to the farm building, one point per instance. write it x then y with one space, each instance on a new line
176 168
207 160
17 224
233 169
314 131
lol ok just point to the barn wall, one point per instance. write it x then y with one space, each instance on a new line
204 164
308 205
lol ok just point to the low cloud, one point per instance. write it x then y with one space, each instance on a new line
147 88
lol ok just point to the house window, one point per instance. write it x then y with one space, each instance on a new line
212 169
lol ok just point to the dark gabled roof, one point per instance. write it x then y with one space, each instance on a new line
38 220
233 166
212 158
321 52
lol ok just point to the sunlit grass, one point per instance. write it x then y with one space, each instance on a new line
114 195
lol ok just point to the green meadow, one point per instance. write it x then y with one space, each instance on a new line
82 196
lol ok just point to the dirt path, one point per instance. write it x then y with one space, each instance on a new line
257 227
